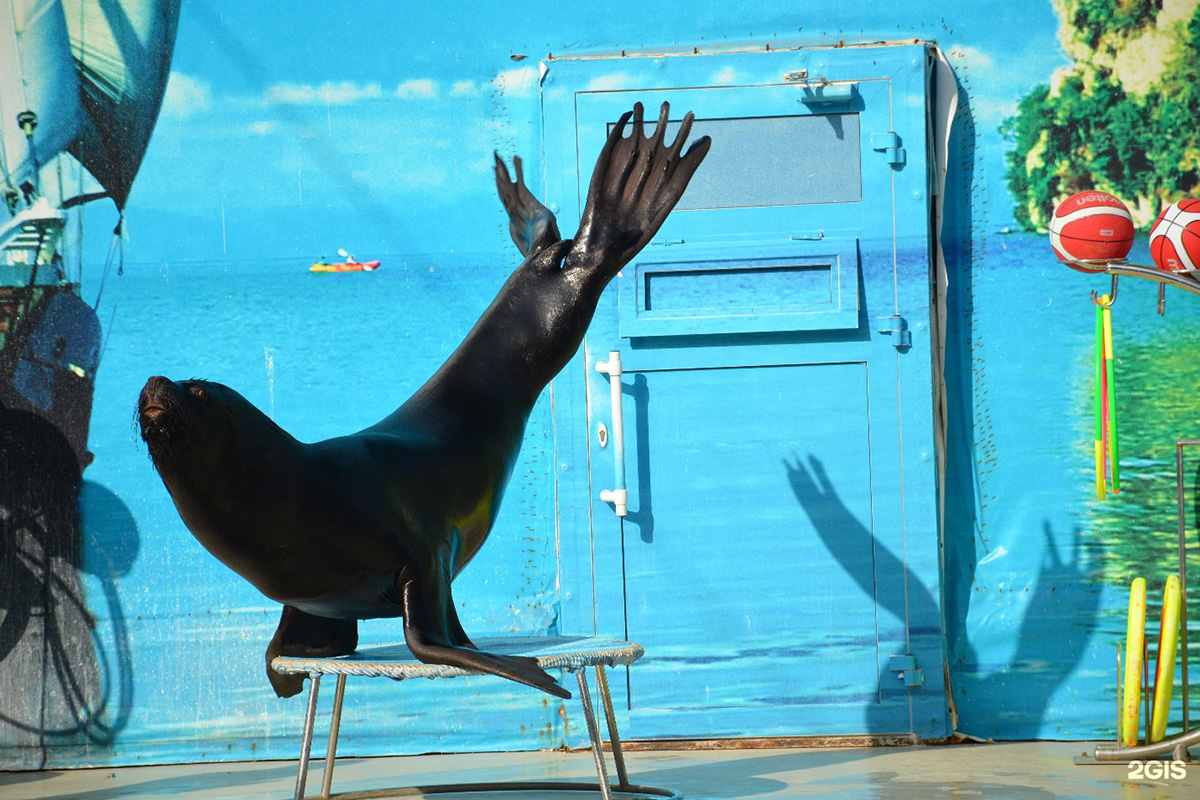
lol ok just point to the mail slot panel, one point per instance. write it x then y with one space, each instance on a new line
686 290
744 288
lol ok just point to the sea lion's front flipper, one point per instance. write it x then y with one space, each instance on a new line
530 223
636 183
301 634
428 634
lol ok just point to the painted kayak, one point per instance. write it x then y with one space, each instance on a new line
345 266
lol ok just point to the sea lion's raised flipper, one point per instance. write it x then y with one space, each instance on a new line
636 183
301 634
427 632
530 223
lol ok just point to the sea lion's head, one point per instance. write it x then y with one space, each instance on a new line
222 460
197 430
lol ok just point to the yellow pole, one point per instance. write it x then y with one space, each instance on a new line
1164 673
1135 637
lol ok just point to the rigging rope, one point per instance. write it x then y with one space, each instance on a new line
116 249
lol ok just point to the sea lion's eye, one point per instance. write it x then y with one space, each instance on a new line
200 392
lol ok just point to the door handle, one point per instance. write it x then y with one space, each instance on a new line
618 496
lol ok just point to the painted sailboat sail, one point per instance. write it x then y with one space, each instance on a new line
122 54
81 84
37 73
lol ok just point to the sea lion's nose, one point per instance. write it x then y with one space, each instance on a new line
156 384
153 392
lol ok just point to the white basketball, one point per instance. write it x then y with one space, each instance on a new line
1175 237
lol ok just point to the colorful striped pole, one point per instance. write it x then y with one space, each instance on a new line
1098 401
1114 453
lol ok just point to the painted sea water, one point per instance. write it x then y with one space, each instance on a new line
324 355
179 639
1051 563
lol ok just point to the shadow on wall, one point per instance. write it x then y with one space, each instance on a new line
59 682
643 518
1059 616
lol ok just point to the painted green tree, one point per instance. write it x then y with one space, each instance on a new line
1124 117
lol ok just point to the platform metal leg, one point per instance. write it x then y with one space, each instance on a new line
335 725
1183 628
593 733
314 685
614 738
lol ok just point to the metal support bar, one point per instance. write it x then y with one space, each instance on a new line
614 739
594 734
310 717
335 725
1180 280
1171 745
1183 633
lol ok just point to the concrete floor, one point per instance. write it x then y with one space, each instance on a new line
1016 771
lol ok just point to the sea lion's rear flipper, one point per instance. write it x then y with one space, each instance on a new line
429 633
458 636
531 224
301 634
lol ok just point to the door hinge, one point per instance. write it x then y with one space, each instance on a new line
906 665
897 327
890 145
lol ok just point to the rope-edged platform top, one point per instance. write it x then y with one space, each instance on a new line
396 661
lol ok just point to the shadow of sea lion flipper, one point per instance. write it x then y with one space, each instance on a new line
308 636
430 635
530 223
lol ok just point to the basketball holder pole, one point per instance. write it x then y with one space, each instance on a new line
1186 279
1177 746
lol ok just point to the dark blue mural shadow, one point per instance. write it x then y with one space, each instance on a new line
1059 620
1061 616
643 517
57 682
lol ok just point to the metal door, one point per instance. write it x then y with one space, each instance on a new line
778 559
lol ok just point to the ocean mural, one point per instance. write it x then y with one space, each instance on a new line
284 138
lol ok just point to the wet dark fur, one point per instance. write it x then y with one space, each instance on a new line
378 523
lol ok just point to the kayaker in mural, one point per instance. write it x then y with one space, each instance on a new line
378 523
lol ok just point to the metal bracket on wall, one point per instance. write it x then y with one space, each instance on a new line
890 145
897 327
819 91
906 665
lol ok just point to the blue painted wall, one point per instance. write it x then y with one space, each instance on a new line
285 137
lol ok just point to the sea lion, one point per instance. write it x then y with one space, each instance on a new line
378 523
